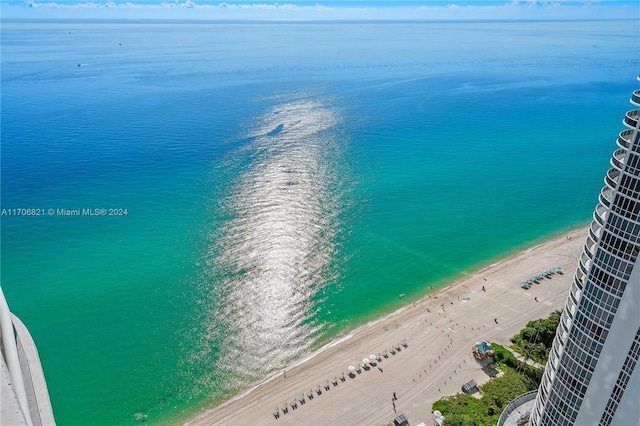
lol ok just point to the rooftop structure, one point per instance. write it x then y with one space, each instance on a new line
24 394
591 376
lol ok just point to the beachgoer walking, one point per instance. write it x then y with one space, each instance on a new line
483 289
496 320
394 396
536 298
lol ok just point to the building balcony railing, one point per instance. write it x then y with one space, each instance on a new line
513 406
631 119
584 264
617 159
590 248
635 97
624 138
600 214
595 231
611 178
567 316
576 292
557 346
579 284
606 196
579 280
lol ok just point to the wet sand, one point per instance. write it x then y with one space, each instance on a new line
439 332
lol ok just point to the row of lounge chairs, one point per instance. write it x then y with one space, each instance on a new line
366 364
535 279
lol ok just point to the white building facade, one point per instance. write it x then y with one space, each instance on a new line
591 376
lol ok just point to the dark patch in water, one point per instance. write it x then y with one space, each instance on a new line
276 131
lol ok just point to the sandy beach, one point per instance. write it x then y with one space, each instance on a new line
438 331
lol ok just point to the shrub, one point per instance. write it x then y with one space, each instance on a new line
535 340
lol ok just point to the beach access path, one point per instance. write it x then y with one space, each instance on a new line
439 331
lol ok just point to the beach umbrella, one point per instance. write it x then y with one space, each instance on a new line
437 413
365 360
351 368
372 356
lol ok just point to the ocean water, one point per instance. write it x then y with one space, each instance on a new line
268 187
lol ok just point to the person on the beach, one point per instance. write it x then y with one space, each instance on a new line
496 320
483 289
394 396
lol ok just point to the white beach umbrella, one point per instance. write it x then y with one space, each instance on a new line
372 356
351 368
365 360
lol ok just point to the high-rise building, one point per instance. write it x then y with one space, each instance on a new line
591 376
24 397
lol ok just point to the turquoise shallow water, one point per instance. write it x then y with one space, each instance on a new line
283 183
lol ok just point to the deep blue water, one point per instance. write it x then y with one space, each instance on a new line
283 184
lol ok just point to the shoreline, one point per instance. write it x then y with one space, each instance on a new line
417 327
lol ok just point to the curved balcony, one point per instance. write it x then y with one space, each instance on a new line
557 347
590 248
573 299
578 283
631 118
579 280
514 409
568 314
595 230
635 97
618 157
606 196
584 264
611 178
624 138
577 290
600 213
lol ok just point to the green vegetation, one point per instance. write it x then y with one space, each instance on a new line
465 410
535 340
504 357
